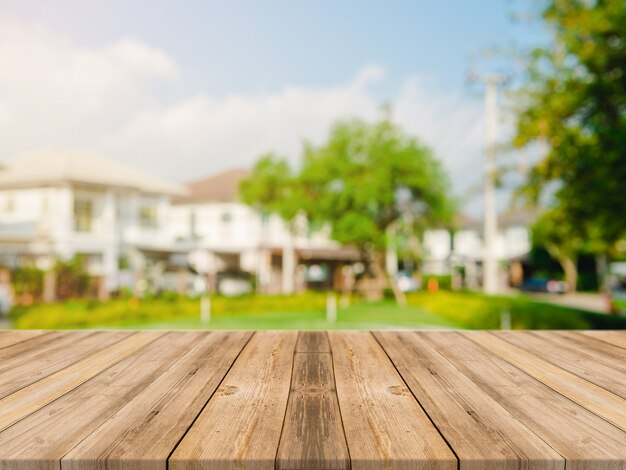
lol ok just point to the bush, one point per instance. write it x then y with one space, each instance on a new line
477 311
86 314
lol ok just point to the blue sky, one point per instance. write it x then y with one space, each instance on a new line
191 87
252 46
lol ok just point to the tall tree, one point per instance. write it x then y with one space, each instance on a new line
366 180
574 100
562 241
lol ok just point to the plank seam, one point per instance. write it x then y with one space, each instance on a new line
80 384
85 437
25 339
68 365
596 338
547 359
583 352
512 413
546 385
343 427
193 421
282 428
458 460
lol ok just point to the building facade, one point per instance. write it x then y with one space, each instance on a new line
59 205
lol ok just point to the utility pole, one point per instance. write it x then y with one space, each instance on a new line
490 260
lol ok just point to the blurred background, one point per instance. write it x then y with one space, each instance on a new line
319 165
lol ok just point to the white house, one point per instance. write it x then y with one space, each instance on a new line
445 250
60 204
233 240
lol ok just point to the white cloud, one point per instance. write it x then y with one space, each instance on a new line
55 94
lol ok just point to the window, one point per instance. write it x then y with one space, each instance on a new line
83 215
148 217
226 217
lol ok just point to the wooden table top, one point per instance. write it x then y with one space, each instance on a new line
312 400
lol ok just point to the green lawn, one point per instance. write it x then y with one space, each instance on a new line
306 311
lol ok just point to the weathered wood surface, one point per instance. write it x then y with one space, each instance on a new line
312 400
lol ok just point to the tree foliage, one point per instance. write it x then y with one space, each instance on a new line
367 177
272 188
574 100
362 180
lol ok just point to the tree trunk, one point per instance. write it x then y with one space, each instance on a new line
380 272
571 272
602 271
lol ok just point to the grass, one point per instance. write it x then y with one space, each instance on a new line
306 311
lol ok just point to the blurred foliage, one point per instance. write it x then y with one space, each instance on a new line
85 314
306 311
364 183
272 188
574 100
553 231
367 177
73 279
27 282
478 311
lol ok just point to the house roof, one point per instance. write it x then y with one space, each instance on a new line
220 187
462 221
57 167
522 217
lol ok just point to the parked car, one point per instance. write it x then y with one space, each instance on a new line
540 284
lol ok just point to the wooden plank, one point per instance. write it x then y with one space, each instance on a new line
8 338
33 346
33 397
241 425
579 358
20 371
616 338
312 436
606 352
384 425
602 402
39 441
146 430
482 433
313 341
584 439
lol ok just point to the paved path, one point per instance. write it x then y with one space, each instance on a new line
586 301
312 400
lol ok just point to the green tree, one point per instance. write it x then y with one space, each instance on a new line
366 180
573 100
563 242
271 188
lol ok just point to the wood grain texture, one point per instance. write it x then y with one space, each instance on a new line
312 400
584 439
616 338
38 394
598 365
594 398
8 338
313 341
25 369
384 425
482 433
146 429
312 436
241 425
33 346
40 440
